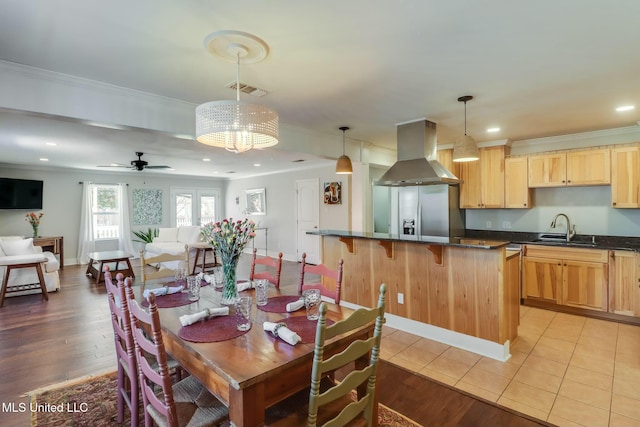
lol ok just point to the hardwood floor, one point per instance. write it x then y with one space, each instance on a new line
69 336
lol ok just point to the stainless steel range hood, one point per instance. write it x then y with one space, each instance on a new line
417 163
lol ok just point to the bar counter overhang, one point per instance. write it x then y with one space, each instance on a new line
459 291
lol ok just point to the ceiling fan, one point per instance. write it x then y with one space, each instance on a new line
136 164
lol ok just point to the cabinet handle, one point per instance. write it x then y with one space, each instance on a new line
568 181
614 203
563 181
525 204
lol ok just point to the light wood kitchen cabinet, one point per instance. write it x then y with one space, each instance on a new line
483 181
625 177
516 189
548 170
569 276
624 279
573 168
445 157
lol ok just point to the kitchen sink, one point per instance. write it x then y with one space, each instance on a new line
563 242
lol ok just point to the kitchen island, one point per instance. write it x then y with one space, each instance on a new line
464 292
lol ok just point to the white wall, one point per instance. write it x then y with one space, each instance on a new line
281 205
62 197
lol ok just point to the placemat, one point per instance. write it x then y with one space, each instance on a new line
219 328
279 304
172 300
302 326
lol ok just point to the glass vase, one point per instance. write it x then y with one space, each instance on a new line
35 231
230 290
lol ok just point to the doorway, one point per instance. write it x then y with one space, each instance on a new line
194 206
307 214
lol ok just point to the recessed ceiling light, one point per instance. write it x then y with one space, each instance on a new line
493 130
44 160
256 165
53 144
206 160
625 108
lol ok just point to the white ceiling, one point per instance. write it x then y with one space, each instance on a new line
535 69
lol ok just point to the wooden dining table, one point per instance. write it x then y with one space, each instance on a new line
251 372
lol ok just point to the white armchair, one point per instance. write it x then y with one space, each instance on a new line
17 250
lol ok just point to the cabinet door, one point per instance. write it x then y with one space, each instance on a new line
584 284
589 167
625 177
492 176
470 188
624 282
516 188
548 170
541 278
445 157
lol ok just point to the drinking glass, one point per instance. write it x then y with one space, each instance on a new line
262 291
218 278
312 300
180 273
243 313
194 288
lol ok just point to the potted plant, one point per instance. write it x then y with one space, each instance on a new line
146 236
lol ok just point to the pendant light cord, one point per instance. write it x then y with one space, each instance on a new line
465 118
238 79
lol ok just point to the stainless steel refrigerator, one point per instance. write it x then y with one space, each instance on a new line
426 210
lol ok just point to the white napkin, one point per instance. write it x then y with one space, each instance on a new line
162 291
283 332
244 286
190 319
296 305
206 277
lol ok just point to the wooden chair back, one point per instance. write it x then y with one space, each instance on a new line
127 373
325 273
357 377
152 359
162 271
268 262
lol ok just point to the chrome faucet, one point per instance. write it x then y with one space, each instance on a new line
571 231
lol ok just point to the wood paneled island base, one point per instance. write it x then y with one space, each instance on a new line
464 292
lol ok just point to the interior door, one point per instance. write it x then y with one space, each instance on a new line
308 214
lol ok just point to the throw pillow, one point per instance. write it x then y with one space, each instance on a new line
167 235
18 247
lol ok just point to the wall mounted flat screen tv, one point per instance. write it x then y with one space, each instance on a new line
20 194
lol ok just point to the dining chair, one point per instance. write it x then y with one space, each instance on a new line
267 261
185 403
325 273
127 383
163 269
334 402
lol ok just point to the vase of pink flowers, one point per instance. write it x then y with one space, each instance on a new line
34 219
229 238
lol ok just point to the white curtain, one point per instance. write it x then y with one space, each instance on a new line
125 243
86 243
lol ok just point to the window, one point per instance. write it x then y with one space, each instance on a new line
105 207
194 206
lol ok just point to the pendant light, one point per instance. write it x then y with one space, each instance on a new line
465 148
236 126
344 167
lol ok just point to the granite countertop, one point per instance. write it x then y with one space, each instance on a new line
469 242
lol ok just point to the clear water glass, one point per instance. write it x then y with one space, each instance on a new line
218 278
243 313
312 300
262 291
193 285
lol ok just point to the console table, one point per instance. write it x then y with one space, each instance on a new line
54 245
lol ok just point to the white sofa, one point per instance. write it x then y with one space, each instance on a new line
18 249
172 241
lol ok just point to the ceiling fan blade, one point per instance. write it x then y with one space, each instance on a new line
158 167
114 165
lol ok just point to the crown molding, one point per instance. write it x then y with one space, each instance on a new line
596 134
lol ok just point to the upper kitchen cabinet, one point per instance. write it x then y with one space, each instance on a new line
516 189
573 168
445 157
482 183
625 177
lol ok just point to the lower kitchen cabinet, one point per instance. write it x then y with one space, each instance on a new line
567 276
624 276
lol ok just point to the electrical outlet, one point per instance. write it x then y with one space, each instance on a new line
506 224
489 224
400 298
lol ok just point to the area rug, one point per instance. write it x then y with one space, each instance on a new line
91 402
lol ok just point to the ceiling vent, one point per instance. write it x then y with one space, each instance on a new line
245 88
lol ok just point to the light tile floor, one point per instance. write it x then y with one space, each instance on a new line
565 369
